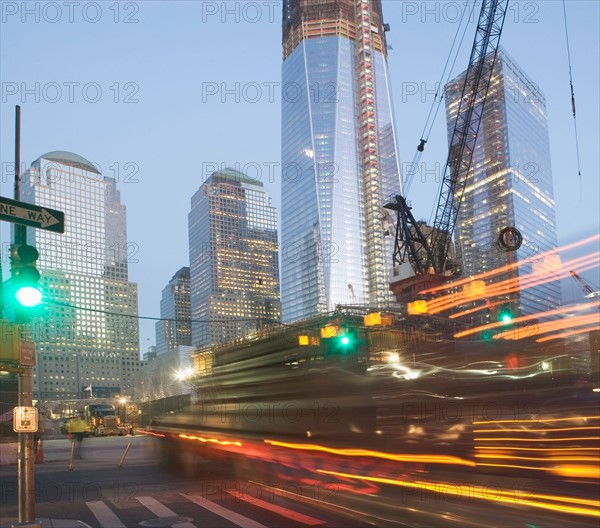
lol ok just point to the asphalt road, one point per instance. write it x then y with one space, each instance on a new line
101 494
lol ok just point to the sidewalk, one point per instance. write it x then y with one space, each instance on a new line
52 523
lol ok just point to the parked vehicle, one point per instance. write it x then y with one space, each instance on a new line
102 420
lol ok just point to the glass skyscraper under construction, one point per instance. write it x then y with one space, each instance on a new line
339 159
509 184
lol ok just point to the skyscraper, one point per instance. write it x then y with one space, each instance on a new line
234 268
87 335
510 181
339 156
174 328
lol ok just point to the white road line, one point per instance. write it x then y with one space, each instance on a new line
160 510
286 512
219 510
106 517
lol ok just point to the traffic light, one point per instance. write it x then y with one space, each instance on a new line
339 340
505 315
348 340
25 280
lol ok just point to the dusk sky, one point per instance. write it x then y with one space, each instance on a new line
160 94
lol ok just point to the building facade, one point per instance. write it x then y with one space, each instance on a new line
509 184
339 157
175 328
165 375
234 268
87 334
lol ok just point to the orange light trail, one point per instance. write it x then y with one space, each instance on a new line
483 493
524 318
550 326
409 457
508 267
577 471
211 440
547 420
535 439
567 334
513 284
551 449
568 470
150 433
541 459
586 427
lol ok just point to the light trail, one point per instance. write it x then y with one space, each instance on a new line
567 334
484 494
408 457
569 309
510 267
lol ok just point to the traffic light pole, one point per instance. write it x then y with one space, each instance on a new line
26 489
20 230
25 468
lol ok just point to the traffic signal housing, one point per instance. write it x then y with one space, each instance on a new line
25 279
339 340
505 315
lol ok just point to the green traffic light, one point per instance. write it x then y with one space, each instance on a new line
506 318
28 296
345 340
25 280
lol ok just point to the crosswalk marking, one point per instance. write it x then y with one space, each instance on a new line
108 519
219 510
160 510
286 512
105 515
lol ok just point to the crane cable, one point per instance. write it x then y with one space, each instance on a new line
441 182
426 132
572 97
437 100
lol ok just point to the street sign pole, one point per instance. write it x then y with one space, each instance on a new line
26 489
25 469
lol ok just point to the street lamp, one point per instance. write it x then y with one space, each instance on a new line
184 374
122 401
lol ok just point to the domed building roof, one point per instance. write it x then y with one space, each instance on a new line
232 175
71 159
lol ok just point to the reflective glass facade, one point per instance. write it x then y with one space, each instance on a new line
325 236
175 328
234 268
510 183
85 335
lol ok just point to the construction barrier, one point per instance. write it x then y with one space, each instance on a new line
39 454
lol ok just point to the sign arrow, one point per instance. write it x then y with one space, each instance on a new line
32 215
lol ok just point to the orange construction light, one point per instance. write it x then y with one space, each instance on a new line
329 331
417 307
474 289
372 319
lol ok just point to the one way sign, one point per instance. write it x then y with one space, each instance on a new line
31 215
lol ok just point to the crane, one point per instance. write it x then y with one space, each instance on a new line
587 289
427 252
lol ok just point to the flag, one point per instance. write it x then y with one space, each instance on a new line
88 388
